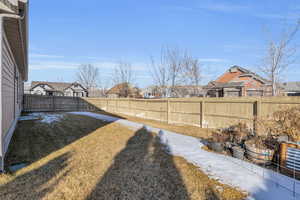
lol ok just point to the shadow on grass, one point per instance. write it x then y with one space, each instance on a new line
32 185
34 140
142 170
87 106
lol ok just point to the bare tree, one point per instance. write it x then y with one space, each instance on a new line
280 55
88 75
191 74
123 74
167 72
175 60
175 67
159 72
191 71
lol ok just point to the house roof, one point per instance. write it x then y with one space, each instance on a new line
9 6
291 86
188 87
117 88
15 23
56 86
246 72
216 85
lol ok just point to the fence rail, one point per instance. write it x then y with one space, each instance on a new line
202 112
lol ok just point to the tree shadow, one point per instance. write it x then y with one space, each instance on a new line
37 183
142 170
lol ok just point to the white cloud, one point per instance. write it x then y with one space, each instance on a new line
212 60
216 7
224 7
36 55
52 65
278 16
108 65
293 13
243 47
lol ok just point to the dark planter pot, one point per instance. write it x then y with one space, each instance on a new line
238 152
217 146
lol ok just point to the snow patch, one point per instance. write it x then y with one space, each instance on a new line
47 118
260 183
28 117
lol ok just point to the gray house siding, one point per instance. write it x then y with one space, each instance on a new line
11 94
13 71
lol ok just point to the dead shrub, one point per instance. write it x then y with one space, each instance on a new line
239 133
220 137
236 134
283 122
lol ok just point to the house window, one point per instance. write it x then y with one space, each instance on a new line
38 92
254 92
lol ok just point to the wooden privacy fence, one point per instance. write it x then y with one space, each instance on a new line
38 103
202 112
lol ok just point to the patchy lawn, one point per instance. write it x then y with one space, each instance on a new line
78 157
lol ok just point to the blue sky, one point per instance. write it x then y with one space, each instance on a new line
65 34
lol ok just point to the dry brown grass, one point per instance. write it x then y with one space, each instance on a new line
194 131
84 158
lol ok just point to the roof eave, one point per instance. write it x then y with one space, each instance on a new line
18 45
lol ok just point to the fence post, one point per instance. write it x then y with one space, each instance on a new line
77 102
53 103
168 111
106 104
256 115
23 102
202 104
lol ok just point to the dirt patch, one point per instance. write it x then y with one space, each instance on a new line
83 158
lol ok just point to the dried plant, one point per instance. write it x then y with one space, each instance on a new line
283 122
220 137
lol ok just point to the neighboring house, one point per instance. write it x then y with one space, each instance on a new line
97 92
58 89
238 81
124 90
186 91
291 88
27 87
14 67
175 92
152 92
